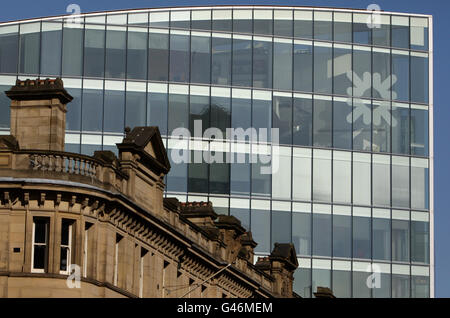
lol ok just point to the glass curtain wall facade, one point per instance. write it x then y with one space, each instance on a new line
352 103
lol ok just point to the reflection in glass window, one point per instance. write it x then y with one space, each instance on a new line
242 21
137 53
241 113
320 278
322 176
281 226
302 282
222 20
94 51
282 118
323 26
381 188
240 177
180 19
381 36
303 24
73 119
178 112
243 215
420 287
51 43
92 110
360 289
342 287
262 111
362 32
282 65
342 124
342 236
400 240
302 125
179 58
158 56
301 232
301 174
362 122
115 52
72 59
381 238
262 22
303 66
29 48
221 61
219 177
157 111
420 242
419 184
260 227
201 19
385 287
159 19
381 60
342 27
419 78
419 33
199 111
400 286
200 59
400 128
5 103
400 69
322 125
9 46
419 131
361 237
322 234
113 120
362 68
323 55
198 174
361 179
282 23
400 182
135 114
400 32
381 127
262 63
342 68
220 113
342 171
177 177
281 175
242 62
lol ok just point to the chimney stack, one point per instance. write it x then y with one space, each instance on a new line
38 113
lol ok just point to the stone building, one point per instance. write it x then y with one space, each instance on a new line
100 224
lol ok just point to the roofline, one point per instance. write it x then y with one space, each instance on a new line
223 7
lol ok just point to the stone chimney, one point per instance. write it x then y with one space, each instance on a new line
38 113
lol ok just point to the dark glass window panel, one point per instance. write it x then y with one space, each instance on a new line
178 112
400 241
159 19
74 148
322 123
419 79
29 52
72 60
179 58
135 112
420 242
360 288
303 28
362 34
303 67
400 130
362 61
381 130
400 184
63 259
137 55
362 122
242 62
92 110
40 253
262 64
40 231
180 19
342 66
201 23
419 132
220 113
5 111
157 111
240 177
400 286
262 25
322 234
221 23
302 126
88 150
9 48
400 34
282 118
323 30
65 231
302 282
178 175
420 287
301 233
243 215
342 31
242 24
241 113
281 227
342 286
361 237
382 36
322 58
320 278
198 173
282 66
51 43
283 26
260 227
400 69
94 53
381 238
221 61
158 56
199 111
200 59
342 236
385 287
113 120
342 125
219 177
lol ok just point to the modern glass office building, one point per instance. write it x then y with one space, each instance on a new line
351 96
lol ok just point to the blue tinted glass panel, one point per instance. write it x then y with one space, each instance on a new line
29 48
199 111
381 238
303 67
157 111
322 235
51 43
400 69
400 241
221 61
5 111
361 237
419 79
113 119
200 59
342 125
282 66
137 54
198 173
158 56
322 125
220 113
282 118
301 233
419 132
92 110
94 53
262 64
115 54
72 60
73 119
178 112
420 242
400 129
281 227
342 236
9 46
302 125
322 58
242 62
135 112
179 58
342 287
260 227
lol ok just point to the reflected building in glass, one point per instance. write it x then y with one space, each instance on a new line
352 101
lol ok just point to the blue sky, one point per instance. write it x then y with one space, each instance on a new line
440 9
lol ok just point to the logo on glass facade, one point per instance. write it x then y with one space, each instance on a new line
374 20
75 11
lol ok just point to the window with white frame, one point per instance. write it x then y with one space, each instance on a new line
66 247
39 251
